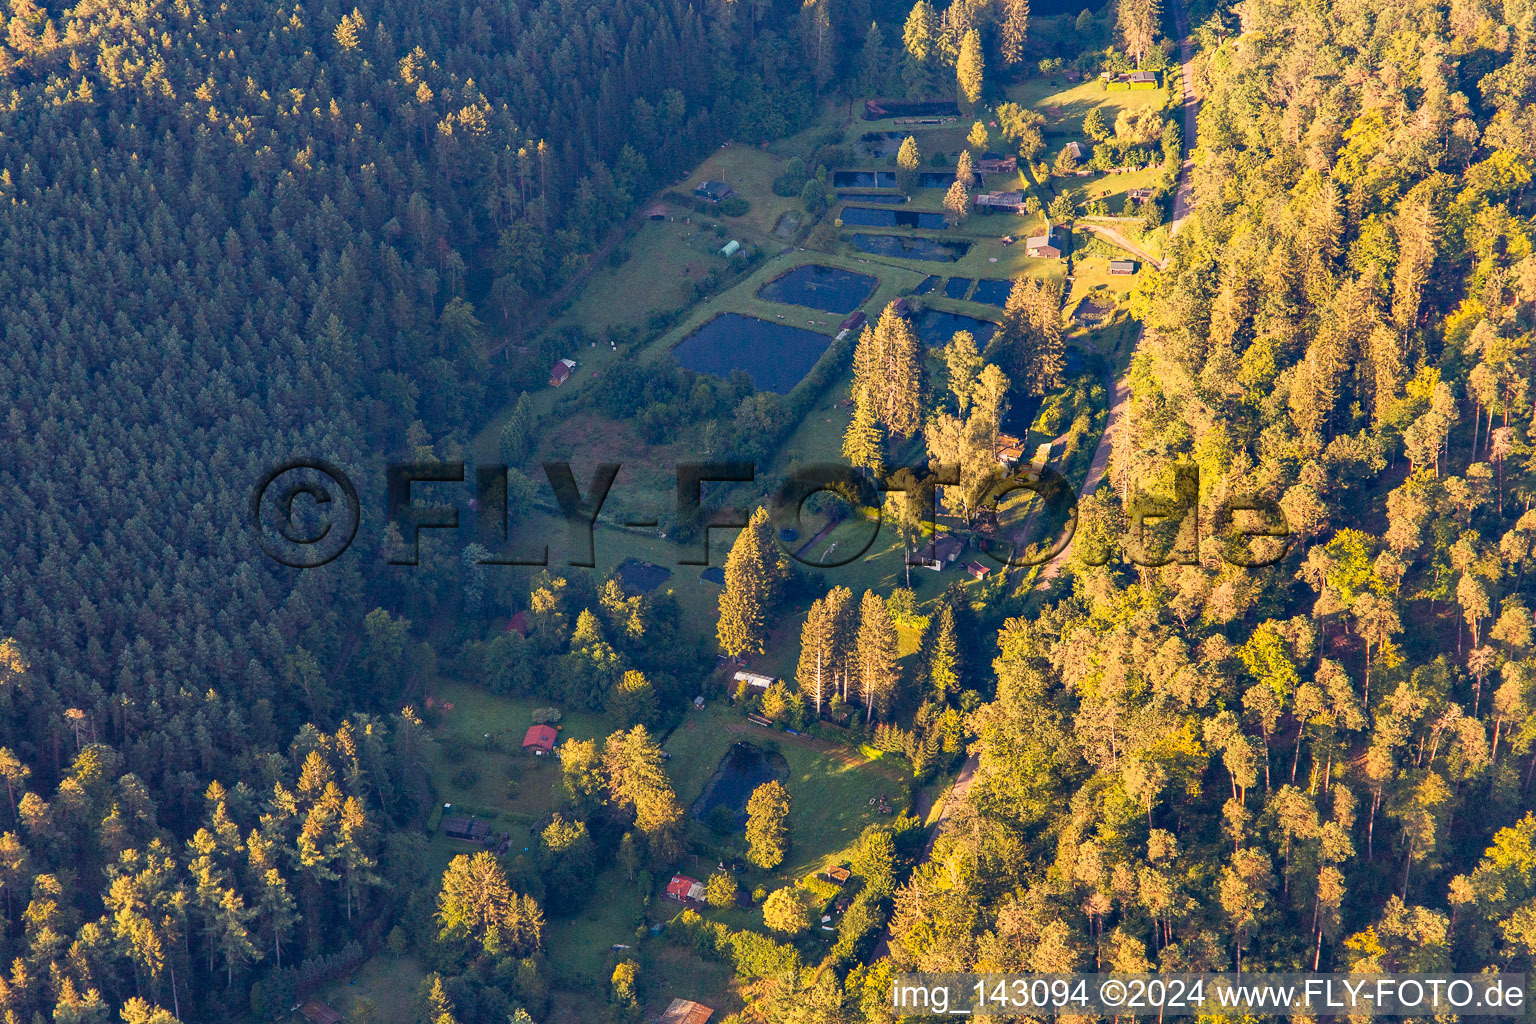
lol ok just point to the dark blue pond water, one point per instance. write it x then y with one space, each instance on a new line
936 327
956 287
865 216
902 247
825 288
929 283
940 179
742 770
874 197
863 179
879 144
774 355
992 292
641 577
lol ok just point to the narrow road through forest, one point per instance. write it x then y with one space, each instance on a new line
1183 200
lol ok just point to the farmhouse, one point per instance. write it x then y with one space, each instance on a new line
1142 78
1009 455
466 828
1075 149
1139 195
540 739
854 322
714 191
1012 202
318 1013
682 889
993 164
1121 268
685 1011
561 372
754 680
1042 246
977 570
518 624
945 550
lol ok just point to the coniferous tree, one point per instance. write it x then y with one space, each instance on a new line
919 37
944 661
969 69
768 825
908 160
876 655
1013 28
754 572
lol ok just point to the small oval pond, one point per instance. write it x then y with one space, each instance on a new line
936 327
865 216
743 768
956 287
775 356
902 247
819 287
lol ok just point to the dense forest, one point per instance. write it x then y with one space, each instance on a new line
234 233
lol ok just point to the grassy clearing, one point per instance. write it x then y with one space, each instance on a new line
1064 104
481 737
578 947
389 982
750 171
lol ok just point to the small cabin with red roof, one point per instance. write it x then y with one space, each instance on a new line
682 889
540 739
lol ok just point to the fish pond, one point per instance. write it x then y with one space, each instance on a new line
956 287
992 291
863 179
902 247
819 287
723 804
775 356
884 198
940 179
864 216
929 284
936 327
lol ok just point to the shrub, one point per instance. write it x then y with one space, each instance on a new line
545 716
734 206
465 777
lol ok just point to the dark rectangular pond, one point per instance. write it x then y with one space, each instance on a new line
956 287
902 247
774 355
940 179
936 327
873 145
743 768
992 292
819 287
639 577
929 284
884 198
863 179
864 216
